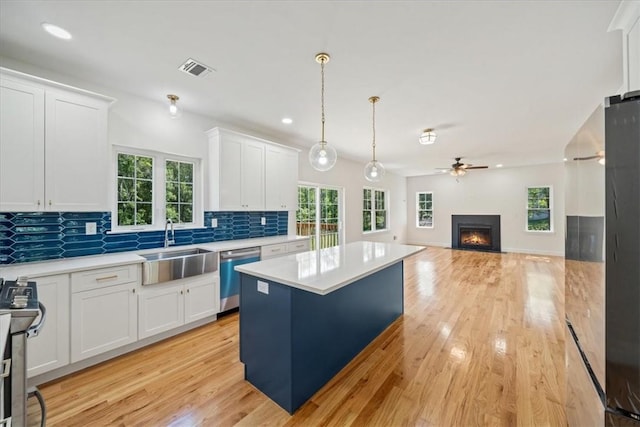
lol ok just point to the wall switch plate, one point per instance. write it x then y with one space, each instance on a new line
263 287
214 222
90 228
263 221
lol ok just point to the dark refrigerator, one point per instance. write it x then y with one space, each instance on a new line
622 262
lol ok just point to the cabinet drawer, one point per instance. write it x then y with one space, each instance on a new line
302 246
103 277
273 251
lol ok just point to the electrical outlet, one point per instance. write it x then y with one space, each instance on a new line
90 228
263 221
214 222
263 287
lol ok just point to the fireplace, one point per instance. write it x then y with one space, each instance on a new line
476 232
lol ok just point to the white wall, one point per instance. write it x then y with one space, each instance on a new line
492 191
350 175
145 124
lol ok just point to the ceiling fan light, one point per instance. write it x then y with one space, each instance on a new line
458 172
428 137
601 161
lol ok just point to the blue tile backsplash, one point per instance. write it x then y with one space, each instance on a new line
39 236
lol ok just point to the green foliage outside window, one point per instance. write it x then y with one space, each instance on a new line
307 215
374 211
539 209
135 190
179 191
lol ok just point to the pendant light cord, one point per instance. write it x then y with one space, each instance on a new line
322 141
374 130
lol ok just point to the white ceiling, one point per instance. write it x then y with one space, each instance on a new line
501 81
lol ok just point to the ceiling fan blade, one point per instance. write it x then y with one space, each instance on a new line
588 158
477 167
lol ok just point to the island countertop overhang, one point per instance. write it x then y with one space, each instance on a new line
326 270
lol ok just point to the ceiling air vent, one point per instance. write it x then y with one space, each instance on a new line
195 68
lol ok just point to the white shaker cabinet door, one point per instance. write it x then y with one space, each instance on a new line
21 146
201 298
281 174
161 308
50 348
76 152
103 319
253 175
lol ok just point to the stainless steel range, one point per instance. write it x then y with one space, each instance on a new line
19 307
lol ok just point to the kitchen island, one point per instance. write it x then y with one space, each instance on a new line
305 316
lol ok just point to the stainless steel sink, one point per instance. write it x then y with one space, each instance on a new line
165 266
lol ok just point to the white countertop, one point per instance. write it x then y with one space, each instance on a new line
325 270
69 265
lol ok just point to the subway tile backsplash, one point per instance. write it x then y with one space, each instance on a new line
39 236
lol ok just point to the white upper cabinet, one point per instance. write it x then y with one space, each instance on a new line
281 179
250 174
21 146
53 146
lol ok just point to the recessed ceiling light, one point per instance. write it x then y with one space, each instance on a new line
565 159
56 31
287 121
499 165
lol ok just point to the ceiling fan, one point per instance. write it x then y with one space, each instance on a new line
599 155
459 169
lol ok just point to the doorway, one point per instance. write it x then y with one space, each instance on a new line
319 215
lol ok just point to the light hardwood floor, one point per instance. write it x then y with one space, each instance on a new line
481 342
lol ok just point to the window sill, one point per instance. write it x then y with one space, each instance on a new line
541 231
425 226
375 231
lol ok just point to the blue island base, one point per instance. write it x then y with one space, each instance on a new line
293 342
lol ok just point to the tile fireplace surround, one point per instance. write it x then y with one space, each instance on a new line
484 231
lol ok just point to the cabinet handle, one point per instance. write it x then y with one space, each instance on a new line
6 368
38 202
181 292
188 290
100 279
49 202
133 290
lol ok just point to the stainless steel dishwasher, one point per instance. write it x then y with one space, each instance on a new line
229 278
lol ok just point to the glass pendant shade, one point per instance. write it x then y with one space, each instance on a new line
374 171
458 172
322 156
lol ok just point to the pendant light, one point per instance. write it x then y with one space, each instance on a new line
374 170
174 110
322 156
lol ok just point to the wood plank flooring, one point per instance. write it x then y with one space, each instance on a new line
481 343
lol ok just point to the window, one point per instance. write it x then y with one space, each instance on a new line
424 209
152 187
374 210
135 190
539 209
179 191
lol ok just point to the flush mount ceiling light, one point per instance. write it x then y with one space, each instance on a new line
174 110
287 121
322 156
428 137
374 170
56 31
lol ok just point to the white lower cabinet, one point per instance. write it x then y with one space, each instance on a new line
103 319
165 307
50 348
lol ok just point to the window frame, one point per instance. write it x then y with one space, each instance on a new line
158 190
373 210
418 210
550 209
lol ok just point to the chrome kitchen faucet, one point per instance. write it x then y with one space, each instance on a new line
168 242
